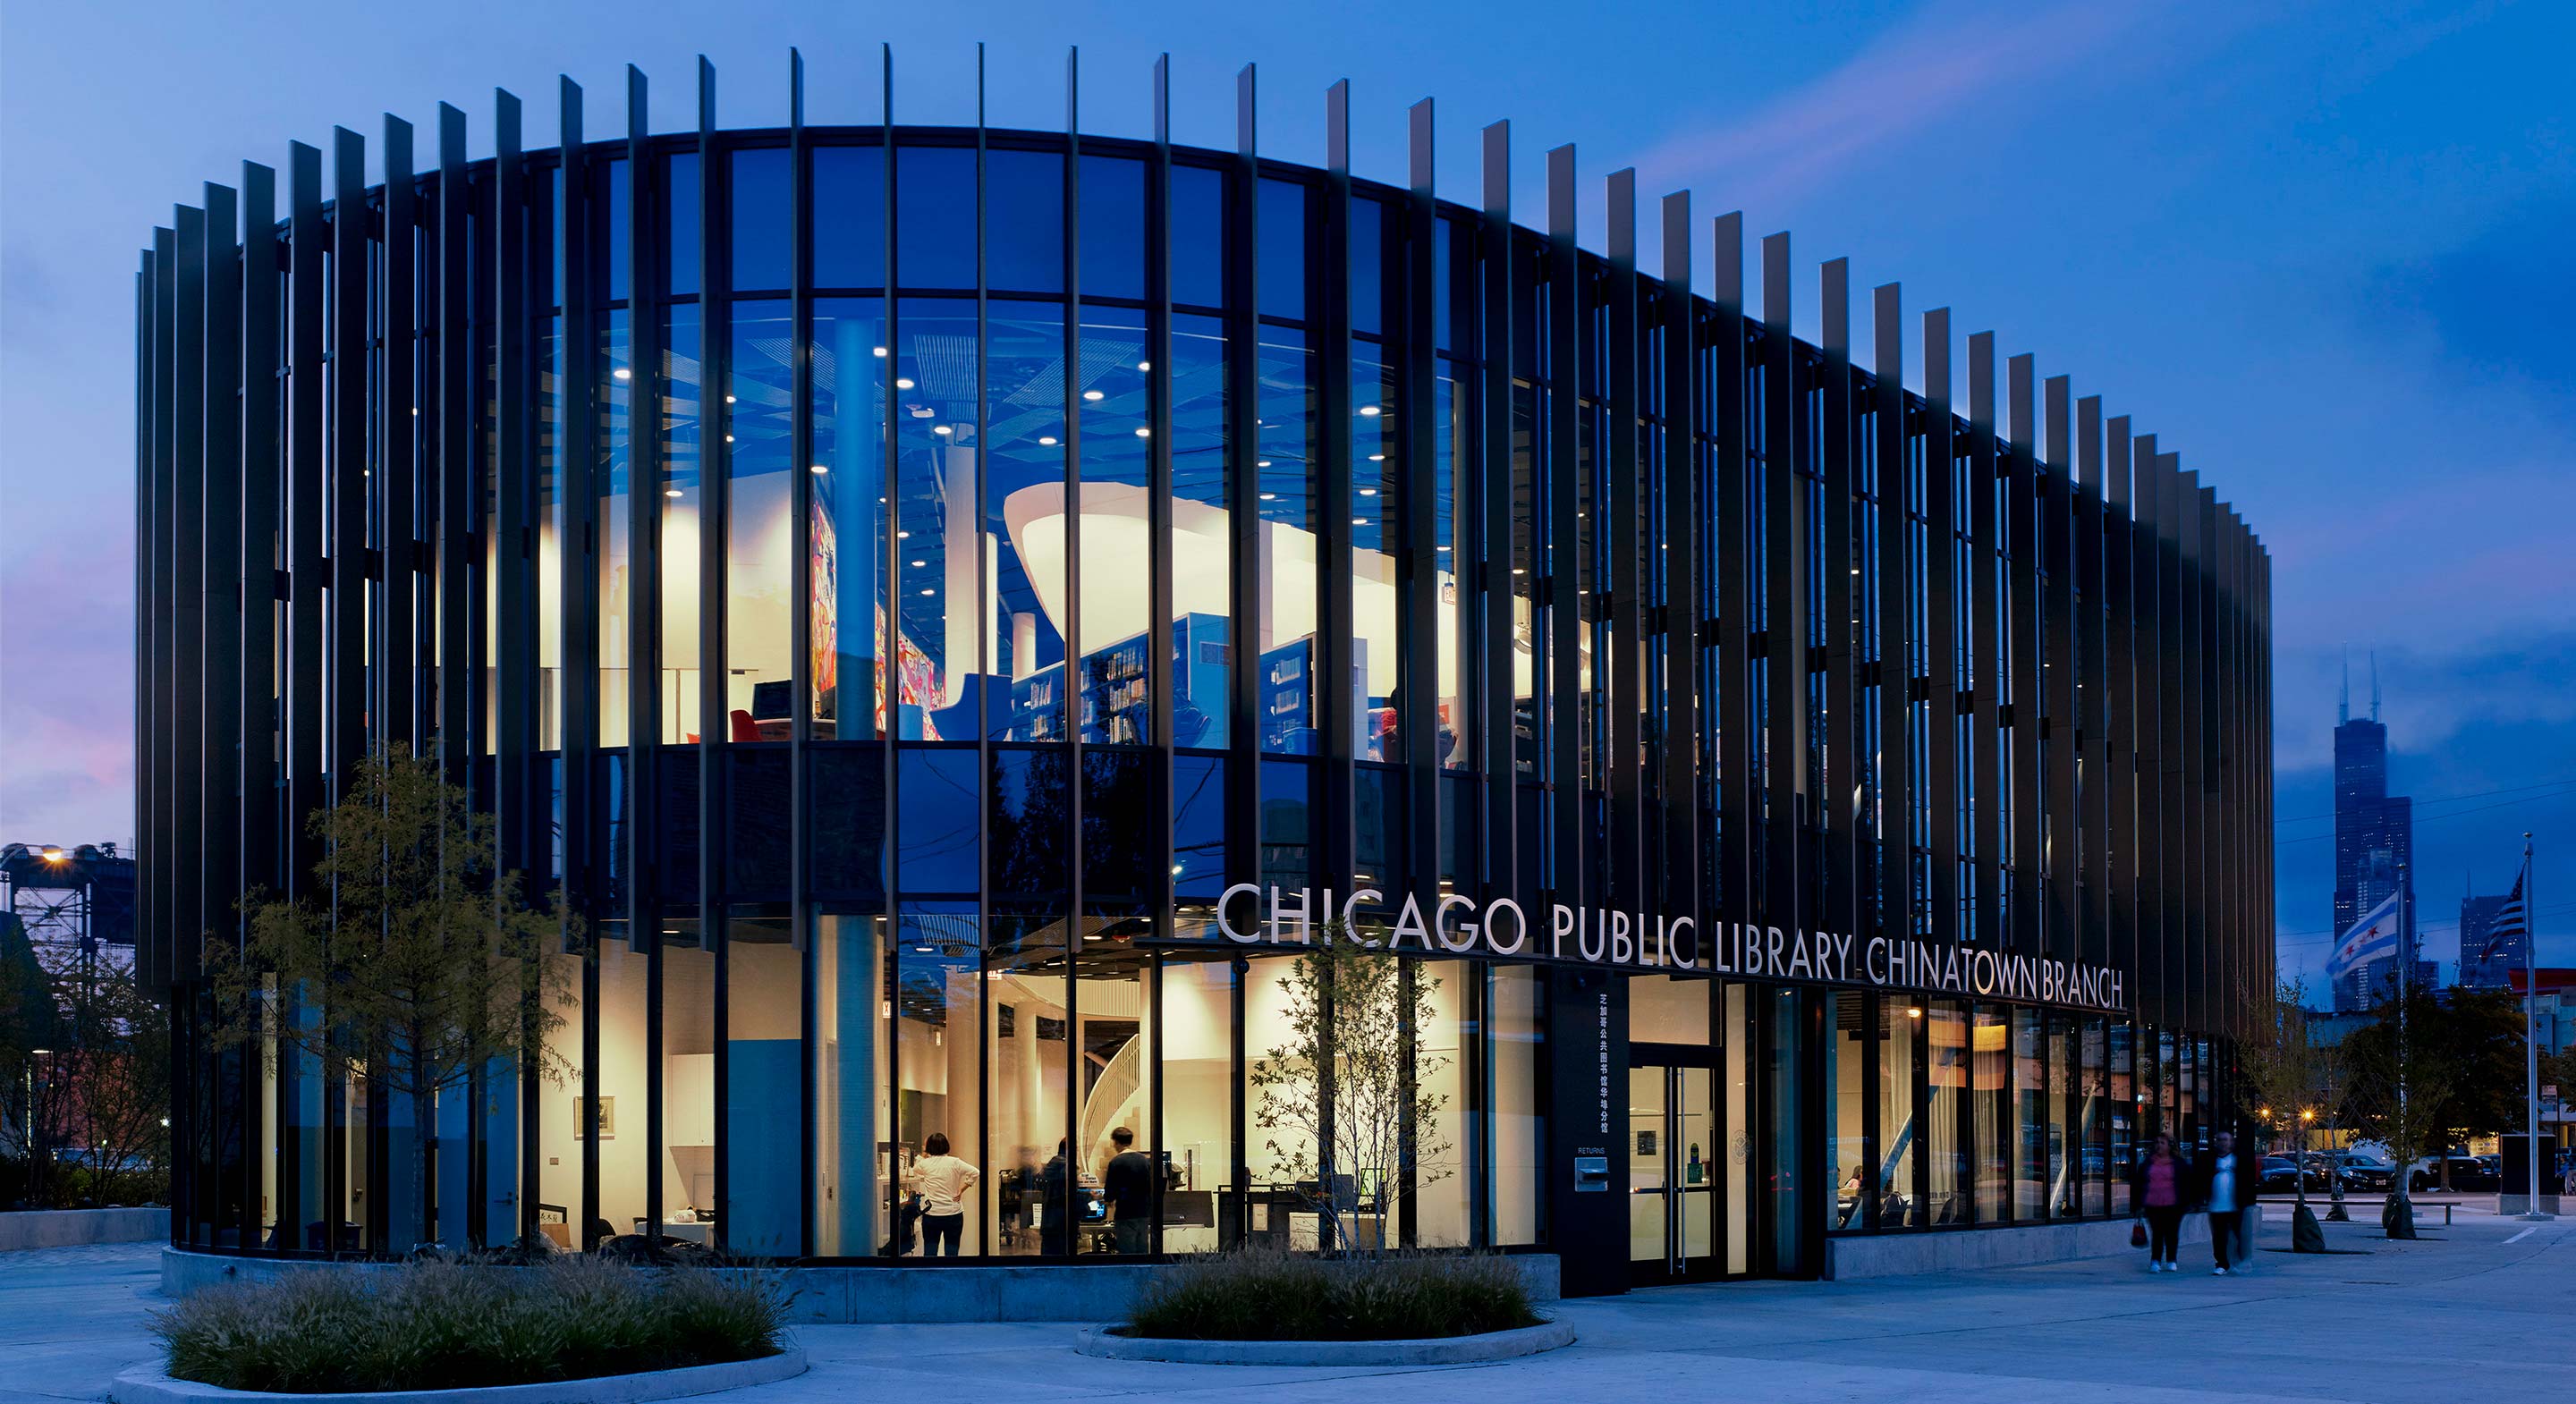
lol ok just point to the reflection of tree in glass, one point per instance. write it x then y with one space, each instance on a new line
1347 1087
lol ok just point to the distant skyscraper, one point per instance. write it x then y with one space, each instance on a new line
2477 920
2374 841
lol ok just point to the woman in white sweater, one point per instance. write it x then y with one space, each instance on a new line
943 1181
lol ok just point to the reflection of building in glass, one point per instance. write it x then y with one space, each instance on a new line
899 581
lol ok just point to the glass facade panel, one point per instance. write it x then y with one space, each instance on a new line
967 930
1848 1043
1945 1110
847 219
760 563
938 1086
1113 696
846 538
762 1149
1998 1126
1900 1090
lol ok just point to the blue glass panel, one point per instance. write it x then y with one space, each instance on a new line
1286 841
1118 848
1198 827
1032 825
934 205
849 217
1368 266
682 218
1281 249
847 833
756 838
760 252
936 841
1113 227
937 665
1198 236
1024 221
1024 486
611 182
848 530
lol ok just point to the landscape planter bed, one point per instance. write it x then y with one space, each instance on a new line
147 1385
1111 1343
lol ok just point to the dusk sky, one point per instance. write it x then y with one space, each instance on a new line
2320 249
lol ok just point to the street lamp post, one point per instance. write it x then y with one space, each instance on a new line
2530 1037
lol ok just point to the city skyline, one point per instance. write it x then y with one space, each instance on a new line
2360 204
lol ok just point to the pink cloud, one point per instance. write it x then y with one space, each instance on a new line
1889 92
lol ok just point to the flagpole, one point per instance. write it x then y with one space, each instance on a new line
2530 1037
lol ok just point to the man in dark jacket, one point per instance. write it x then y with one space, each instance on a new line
2226 1183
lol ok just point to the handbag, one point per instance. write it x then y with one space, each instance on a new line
2138 1234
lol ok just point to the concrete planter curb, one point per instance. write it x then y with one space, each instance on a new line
147 1385
1104 1342
71 1228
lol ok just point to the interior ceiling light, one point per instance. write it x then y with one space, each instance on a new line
622 373
880 350
903 382
1092 395
670 492
1046 440
820 469
1368 411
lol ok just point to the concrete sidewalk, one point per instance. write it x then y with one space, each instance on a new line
2483 1310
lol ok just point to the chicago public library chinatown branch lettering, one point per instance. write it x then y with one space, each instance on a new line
960 612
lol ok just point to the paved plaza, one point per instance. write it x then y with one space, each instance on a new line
2485 1309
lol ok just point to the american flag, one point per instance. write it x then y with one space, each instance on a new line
2510 920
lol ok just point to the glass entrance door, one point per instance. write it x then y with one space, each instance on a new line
1671 1171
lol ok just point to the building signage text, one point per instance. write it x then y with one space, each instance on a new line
1251 914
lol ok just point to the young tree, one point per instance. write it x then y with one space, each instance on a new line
2403 1078
2285 1075
1345 1090
412 962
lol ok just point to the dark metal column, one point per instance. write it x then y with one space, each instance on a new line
1845 817
1561 570
2060 734
1679 895
1418 564
2120 708
1941 585
1731 558
346 463
183 570
2093 816
1497 660
1784 764
1985 641
398 656
1336 709
1897 891
219 876
1619 676
2026 793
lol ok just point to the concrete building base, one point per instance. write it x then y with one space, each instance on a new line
966 1292
1906 1254
72 1228
2521 1204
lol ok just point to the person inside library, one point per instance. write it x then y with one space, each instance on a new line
1129 1187
943 1181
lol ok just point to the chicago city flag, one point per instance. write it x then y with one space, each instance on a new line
2370 938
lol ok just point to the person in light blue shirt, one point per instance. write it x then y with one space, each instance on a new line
2227 1184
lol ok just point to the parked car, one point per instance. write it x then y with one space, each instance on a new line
2363 1172
2468 1172
2282 1174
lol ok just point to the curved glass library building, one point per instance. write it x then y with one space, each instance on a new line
961 614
